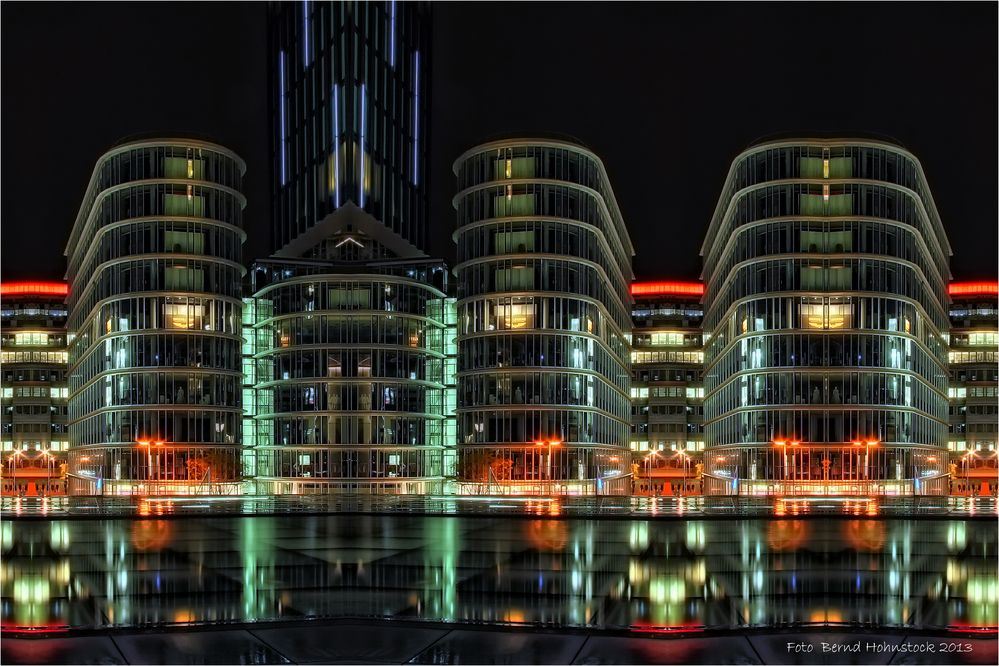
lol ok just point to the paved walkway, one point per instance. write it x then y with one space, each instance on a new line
395 642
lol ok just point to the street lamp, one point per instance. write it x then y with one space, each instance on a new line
648 469
867 457
549 443
782 445
149 458
48 473
684 457
159 476
13 460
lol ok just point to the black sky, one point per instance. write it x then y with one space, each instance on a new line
666 94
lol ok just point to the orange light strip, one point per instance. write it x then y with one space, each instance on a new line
973 288
34 289
664 288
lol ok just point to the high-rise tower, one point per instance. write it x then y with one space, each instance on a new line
350 84
350 316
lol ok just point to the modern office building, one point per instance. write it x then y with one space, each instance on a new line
544 313
974 406
154 267
351 375
33 422
825 323
667 396
350 94
352 323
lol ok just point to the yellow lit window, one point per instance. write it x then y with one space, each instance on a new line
182 315
509 168
825 168
840 315
811 315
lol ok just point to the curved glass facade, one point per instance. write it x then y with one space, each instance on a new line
544 266
825 324
350 369
154 265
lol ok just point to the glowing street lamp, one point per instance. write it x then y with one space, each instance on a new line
648 468
549 443
683 458
782 445
149 457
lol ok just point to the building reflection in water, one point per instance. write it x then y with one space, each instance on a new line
645 575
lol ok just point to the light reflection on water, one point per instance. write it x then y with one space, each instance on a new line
651 575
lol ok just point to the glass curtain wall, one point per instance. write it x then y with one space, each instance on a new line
154 265
825 323
544 266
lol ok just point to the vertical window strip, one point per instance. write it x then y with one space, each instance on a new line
392 33
416 122
361 143
336 144
305 33
281 114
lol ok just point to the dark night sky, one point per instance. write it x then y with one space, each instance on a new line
666 94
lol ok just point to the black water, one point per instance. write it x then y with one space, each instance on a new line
564 572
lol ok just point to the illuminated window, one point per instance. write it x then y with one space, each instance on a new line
983 339
32 339
514 242
513 279
513 204
516 167
825 315
840 315
183 278
825 193
183 314
825 168
811 315
515 315
182 167
184 242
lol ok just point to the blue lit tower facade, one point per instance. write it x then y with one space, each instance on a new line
825 323
350 90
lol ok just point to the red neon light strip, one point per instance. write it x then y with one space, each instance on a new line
675 288
34 289
973 288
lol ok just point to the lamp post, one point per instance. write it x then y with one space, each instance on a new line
648 469
684 458
149 460
967 470
13 463
159 476
782 445
867 444
48 473
548 444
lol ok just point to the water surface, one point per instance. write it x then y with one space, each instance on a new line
635 574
